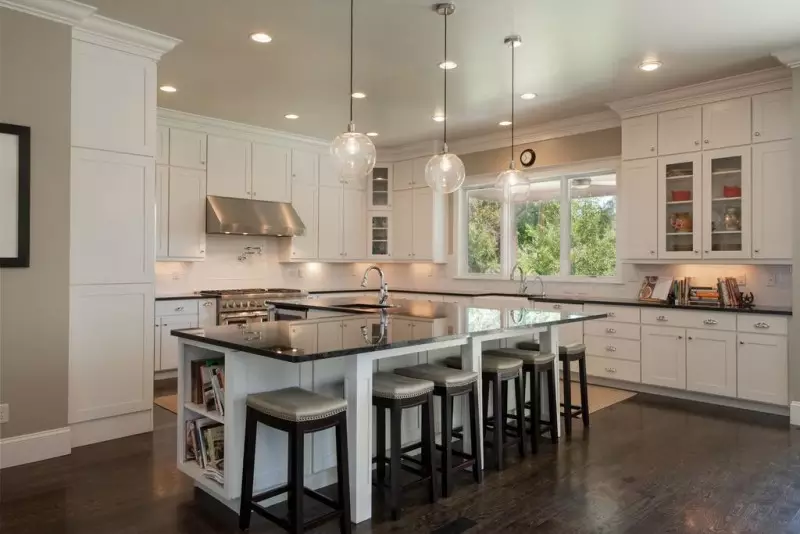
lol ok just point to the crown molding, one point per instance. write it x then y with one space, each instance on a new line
410 151
111 33
62 11
789 57
761 81
181 119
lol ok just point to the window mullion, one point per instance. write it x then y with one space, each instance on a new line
566 228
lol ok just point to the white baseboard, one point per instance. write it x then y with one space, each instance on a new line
794 413
35 447
120 426
162 375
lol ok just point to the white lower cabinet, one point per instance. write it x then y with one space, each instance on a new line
614 369
166 348
571 332
762 365
664 356
711 362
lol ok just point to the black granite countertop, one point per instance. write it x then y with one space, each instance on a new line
282 340
182 296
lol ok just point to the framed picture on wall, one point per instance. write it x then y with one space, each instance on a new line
15 195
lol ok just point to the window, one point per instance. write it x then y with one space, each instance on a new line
560 226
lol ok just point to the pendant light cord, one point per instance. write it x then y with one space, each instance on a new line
351 60
513 73
445 81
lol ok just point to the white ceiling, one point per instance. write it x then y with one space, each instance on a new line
577 55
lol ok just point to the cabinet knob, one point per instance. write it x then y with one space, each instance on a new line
652 149
697 143
611 331
680 337
557 306
611 348
652 252
179 308
203 251
756 251
697 252
705 251
741 343
254 193
610 370
611 314
689 338
757 134
661 318
705 141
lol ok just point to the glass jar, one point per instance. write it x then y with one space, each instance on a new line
732 219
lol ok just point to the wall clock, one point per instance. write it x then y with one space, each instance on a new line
527 158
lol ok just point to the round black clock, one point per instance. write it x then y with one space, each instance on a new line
527 158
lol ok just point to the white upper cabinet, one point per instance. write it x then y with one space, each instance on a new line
640 137
403 234
271 179
187 213
379 187
664 356
354 230
419 171
711 362
305 198
423 223
680 208
772 116
680 131
379 234
638 211
306 166
772 200
187 149
343 231
727 123
403 175
330 228
726 203
228 167
162 145
762 368
113 100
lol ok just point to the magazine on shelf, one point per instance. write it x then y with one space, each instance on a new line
208 384
655 288
205 443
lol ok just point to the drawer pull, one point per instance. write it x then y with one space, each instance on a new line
611 330
611 348
710 321
206 304
662 318
611 314
556 306
611 370
761 325
179 308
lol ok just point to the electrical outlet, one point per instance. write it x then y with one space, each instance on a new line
772 280
741 280
176 276
4 415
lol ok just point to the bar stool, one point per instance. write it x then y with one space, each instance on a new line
498 371
396 393
535 367
575 352
297 412
448 384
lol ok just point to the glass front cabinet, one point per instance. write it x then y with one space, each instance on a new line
379 234
380 187
679 207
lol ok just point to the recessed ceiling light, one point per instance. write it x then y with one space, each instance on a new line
359 95
372 134
448 65
438 118
169 88
260 37
649 66
505 123
291 116
527 96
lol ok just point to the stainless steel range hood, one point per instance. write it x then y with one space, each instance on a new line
252 217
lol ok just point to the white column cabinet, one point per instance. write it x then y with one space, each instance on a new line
403 175
772 116
162 212
270 176
711 362
331 245
726 216
773 182
305 168
403 234
680 131
229 167
354 230
727 123
187 149
423 224
187 214
679 207
762 366
637 188
640 137
664 356
305 200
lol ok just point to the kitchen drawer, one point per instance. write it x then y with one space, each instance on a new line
611 368
558 306
689 319
622 314
176 307
763 324
623 349
611 329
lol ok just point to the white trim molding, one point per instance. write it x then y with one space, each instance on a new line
108 428
114 34
789 57
29 448
794 413
761 81
63 11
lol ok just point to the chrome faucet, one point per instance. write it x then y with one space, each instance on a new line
384 295
541 282
523 280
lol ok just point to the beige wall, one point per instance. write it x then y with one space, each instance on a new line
35 66
559 151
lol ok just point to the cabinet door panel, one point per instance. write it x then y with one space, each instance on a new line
305 167
679 221
330 223
352 335
772 200
169 343
638 209
304 200
726 217
726 123
379 234
271 178
419 171
423 222
639 137
207 313
664 357
403 175
379 189
772 116
680 131
711 362
162 145
187 213
354 230
228 167
162 211
763 371
187 149
403 231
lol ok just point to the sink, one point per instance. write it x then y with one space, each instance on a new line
368 306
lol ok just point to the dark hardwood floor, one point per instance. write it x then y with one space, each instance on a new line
647 466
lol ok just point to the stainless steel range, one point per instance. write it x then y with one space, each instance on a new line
243 306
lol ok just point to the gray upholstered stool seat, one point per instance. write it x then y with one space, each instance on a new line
439 375
491 363
296 404
394 386
571 350
528 357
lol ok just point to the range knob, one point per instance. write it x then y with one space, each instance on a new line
238 305
266 303
251 304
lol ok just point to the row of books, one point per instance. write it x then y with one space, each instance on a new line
729 293
208 384
682 292
205 444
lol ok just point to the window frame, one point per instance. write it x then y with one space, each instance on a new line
562 173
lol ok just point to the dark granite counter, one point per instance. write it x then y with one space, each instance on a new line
182 296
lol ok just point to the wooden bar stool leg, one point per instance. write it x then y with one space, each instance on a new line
429 448
567 381
343 475
477 467
486 384
396 414
447 445
518 396
504 407
296 480
499 427
536 411
380 445
248 468
551 396
584 391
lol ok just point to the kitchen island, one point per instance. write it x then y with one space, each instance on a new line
335 351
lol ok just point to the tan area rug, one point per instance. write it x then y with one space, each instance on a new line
169 403
599 397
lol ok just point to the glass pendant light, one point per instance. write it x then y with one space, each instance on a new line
445 172
353 153
511 176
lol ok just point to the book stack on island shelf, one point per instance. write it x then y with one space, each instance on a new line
208 385
205 444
